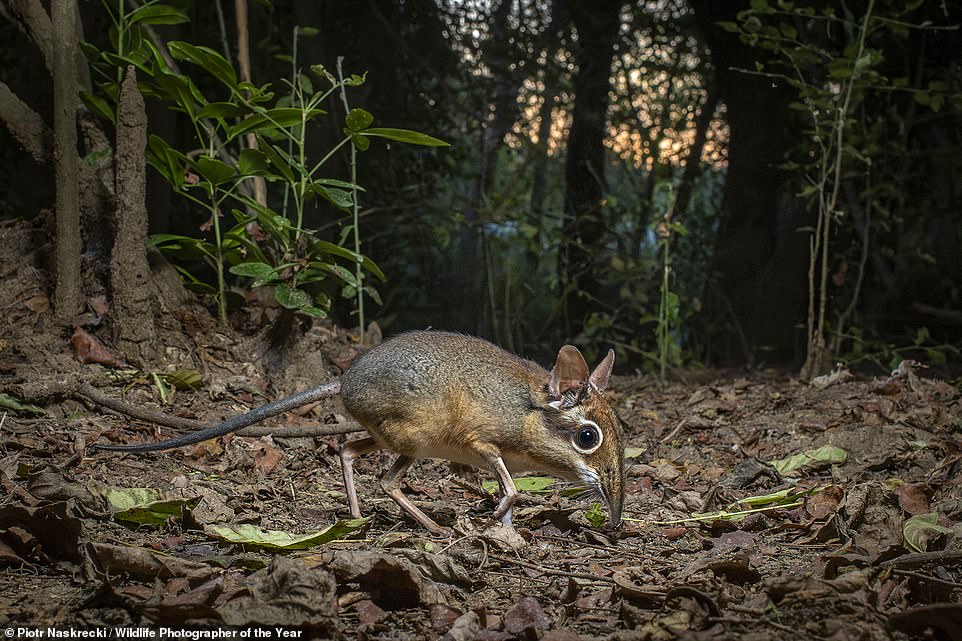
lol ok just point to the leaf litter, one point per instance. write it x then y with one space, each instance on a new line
724 541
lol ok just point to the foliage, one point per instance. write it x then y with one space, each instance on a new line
885 356
858 108
271 247
666 330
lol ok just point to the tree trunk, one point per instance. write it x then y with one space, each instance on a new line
756 301
550 39
693 164
597 25
67 297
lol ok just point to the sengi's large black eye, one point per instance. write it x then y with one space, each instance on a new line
588 437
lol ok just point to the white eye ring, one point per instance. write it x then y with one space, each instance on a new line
587 438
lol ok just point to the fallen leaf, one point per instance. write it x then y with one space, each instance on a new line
288 592
46 532
822 504
142 505
921 530
394 583
89 349
524 615
37 304
267 457
827 380
443 617
822 456
247 534
914 497
466 627
368 612
529 484
11 403
146 564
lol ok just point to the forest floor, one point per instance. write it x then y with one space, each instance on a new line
861 540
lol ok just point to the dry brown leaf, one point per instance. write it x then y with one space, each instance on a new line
89 349
914 497
37 304
526 614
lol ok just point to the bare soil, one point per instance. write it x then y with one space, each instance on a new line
842 558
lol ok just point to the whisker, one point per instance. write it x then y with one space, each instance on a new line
586 492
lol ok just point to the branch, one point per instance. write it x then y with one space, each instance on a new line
25 125
35 22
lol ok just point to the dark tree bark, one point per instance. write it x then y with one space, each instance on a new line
132 310
506 84
597 25
67 297
693 164
757 300
550 41
25 125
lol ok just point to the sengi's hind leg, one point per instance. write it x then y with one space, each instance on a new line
349 451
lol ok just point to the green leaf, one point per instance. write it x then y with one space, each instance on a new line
596 515
279 163
252 162
358 119
343 184
222 110
246 534
272 119
760 5
145 506
99 106
529 484
369 265
157 14
359 141
730 27
788 30
405 135
824 455
373 294
338 197
214 170
291 298
206 58
313 311
340 271
11 403
260 271
184 378
180 90
307 31
169 162
921 529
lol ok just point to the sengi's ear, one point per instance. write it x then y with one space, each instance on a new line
599 377
570 372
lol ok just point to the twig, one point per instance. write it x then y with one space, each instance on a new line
927 578
718 515
553 572
942 557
